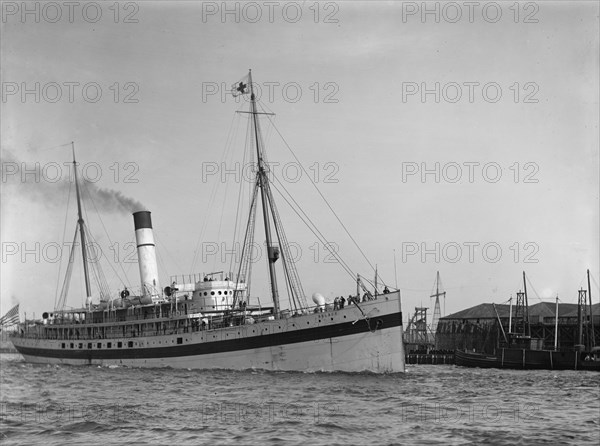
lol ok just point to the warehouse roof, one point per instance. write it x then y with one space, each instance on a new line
541 309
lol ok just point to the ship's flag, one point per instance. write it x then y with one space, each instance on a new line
11 317
241 87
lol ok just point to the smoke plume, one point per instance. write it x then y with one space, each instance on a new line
49 185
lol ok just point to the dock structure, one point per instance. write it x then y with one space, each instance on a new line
478 328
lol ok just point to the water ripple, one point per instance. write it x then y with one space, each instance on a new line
443 405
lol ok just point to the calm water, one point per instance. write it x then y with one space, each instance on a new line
427 405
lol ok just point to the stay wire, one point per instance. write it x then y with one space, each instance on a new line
322 196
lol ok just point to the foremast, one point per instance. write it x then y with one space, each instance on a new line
80 223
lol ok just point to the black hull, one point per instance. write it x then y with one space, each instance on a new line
524 359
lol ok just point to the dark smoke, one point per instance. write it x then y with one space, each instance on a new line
111 200
38 189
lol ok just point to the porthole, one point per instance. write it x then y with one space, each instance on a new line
205 293
219 293
212 293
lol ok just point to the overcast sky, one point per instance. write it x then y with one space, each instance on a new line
509 119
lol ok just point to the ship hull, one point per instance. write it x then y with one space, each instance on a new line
340 340
525 359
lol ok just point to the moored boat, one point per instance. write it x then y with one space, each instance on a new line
527 359
520 351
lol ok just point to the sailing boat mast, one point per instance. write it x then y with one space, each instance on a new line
80 222
273 253
436 308
528 326
591 324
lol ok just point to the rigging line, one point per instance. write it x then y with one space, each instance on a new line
439 286
292 278
94 264
68 273
534 290
322 196
55 147
239 205
240 198
269 128
102 283
123 282
85 213
290 291
593 280
212 197
63 243
290 264
224 200
248 239
326 243
161 263
231 137
164 248
381 278
95 276
289 280
105 288
89 234
252 191
595 283
319 236
583 281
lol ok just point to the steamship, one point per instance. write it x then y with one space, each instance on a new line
206 321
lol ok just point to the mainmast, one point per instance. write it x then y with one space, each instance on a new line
80 222
273 252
